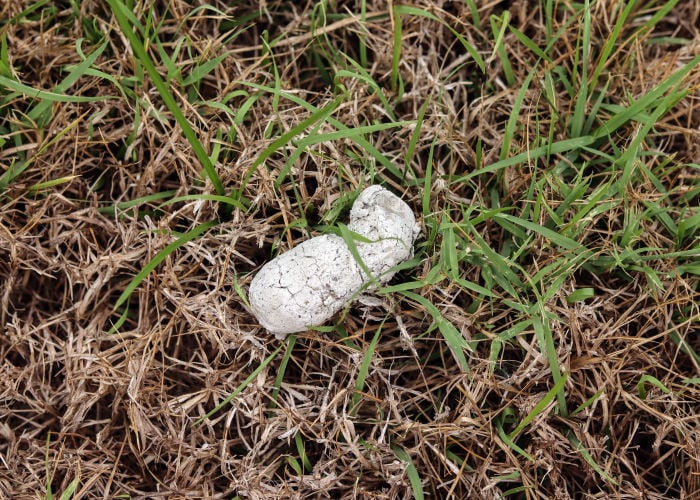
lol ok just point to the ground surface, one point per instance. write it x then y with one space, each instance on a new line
542 343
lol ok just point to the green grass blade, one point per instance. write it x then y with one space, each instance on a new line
295 465
527 42
415 136
125 205
290 341
396 80
650 379
514 117
202 70
658 16
499 47
630 157
428 180
504 337
684 346
49 493
589 459
588 402
363 33
580 295
123 14
70 490
415 11
411 472
507 439
541 405
363 371
474 12
17 168
372 152
319 115
5 63
301 450
549 17
160 257
349 133
46 95
531 155
242 386
543 332
72 77
41 186
552 236
448 253
452 336
611 42
25 13
120 322
349 237
362 75
226 200
645 102
579 116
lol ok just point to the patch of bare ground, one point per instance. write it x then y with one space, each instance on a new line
116 408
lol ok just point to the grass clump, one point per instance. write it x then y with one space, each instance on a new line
542 343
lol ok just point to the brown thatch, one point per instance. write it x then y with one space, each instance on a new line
116 408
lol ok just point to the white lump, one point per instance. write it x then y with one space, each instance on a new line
307 285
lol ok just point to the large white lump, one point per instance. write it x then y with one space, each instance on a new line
310 283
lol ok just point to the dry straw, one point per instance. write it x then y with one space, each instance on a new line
541 343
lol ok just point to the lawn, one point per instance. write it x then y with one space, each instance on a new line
542 342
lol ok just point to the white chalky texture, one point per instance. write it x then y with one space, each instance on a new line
310 283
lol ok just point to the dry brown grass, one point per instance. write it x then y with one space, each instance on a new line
117 411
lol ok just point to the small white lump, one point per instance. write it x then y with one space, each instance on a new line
308 284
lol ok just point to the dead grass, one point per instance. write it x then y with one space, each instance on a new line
117 411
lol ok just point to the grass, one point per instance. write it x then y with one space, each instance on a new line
542 342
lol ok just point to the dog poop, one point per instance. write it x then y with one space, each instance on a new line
308 284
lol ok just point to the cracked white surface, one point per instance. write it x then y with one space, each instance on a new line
311 282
